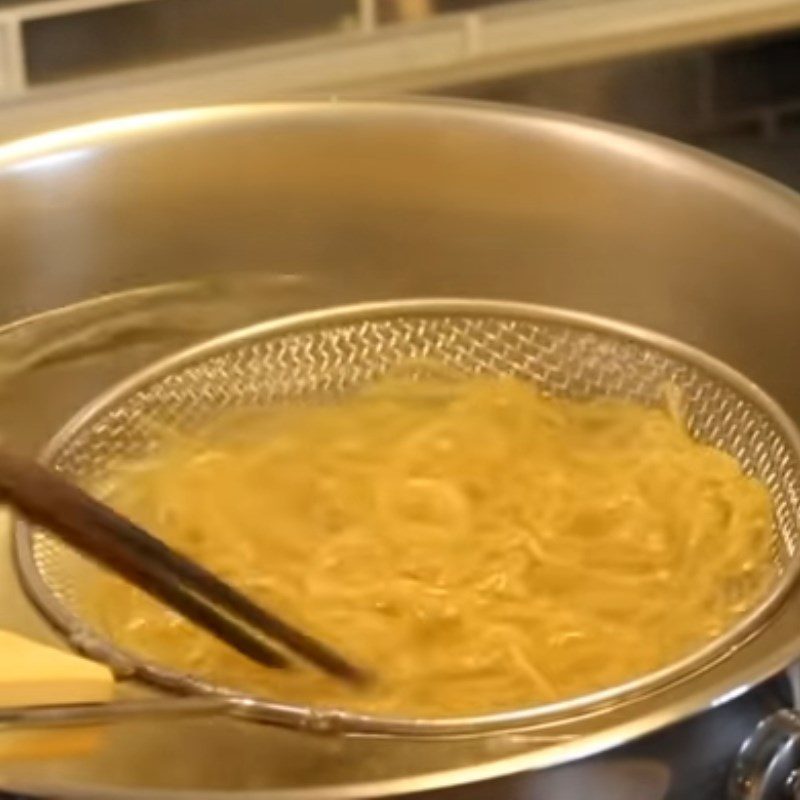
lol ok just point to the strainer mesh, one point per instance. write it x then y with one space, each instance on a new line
270 365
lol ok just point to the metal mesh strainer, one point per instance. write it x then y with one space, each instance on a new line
323 354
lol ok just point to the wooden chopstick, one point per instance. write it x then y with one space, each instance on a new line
99 532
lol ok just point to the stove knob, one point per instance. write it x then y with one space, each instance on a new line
768 763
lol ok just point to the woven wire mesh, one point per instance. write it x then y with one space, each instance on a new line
330 356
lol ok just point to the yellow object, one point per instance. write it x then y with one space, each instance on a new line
33 674
477 545
39 745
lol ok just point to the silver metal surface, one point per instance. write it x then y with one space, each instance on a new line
320 356
244 214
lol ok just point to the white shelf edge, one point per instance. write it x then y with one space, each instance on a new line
516 37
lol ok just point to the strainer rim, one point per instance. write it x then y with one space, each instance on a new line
85 638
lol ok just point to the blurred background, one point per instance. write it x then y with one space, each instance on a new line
724 74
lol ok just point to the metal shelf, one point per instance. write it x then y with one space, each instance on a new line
502 39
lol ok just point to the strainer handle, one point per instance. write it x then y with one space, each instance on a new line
92 714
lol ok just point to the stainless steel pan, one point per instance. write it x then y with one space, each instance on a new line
239 214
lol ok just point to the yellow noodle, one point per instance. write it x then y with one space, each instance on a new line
478 545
